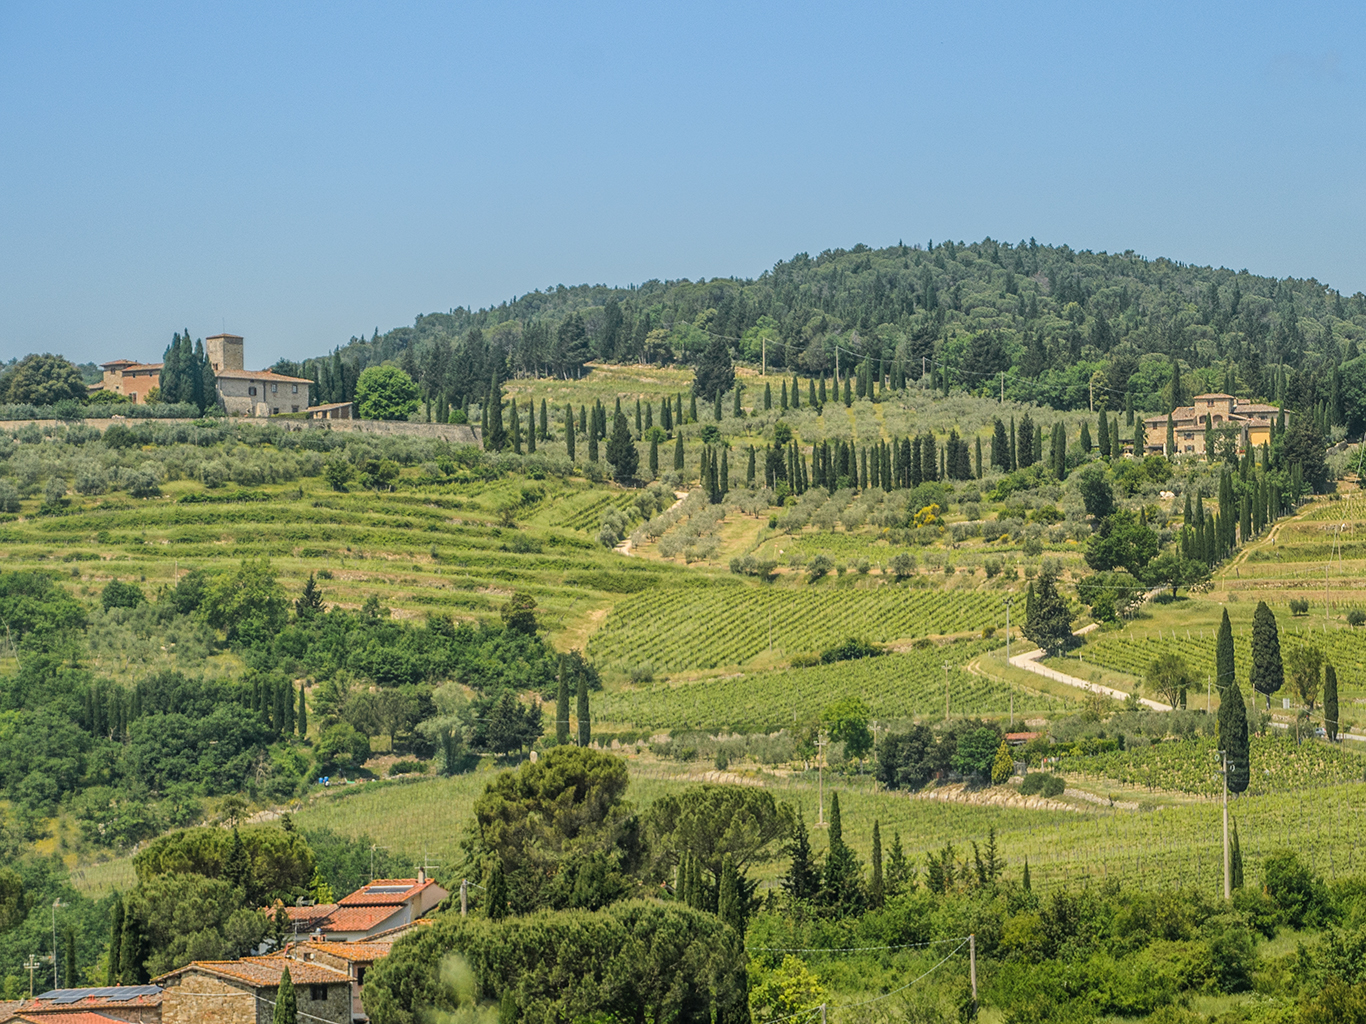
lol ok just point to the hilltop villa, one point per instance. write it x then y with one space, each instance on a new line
241 392
1218 411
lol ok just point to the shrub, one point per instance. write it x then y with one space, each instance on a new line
819 566
406 768
1356 617
1299 606
1042 784
118 594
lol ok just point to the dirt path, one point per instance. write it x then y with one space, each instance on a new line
1030 663
624 548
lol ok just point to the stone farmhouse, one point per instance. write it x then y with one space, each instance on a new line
125 377
241 392
1217 411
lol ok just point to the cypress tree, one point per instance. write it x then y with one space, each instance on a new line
640 429
593 444
842 888
811 392
111 976
1224 672
678 410
716 407
848 394
1014 453
654 458
730 897
132 951
681 882
1140 439
495 438
1128 410
1171 436
1235 860
569 431
736 411
545 421
585 725
562 706
796 393
698 896
497 891
749 470
286 1004
302 721
803 878
875 888
678 454
237 868
768 396
1330 702
978 443
1232 722
725 472
530 427
622 452
1116 445
1086 438
1000 445
820 393
1024 877
1268 674
692 408
782 402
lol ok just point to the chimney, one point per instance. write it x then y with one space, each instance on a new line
421 876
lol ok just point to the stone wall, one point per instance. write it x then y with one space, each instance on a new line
195 998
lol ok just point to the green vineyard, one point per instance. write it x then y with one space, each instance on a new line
893 686
1345 648
729 623
1192 765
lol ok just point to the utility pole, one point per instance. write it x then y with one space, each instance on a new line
923 370
820 776
31 965
822 1013
972 965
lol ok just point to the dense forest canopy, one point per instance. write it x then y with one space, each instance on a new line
1044 323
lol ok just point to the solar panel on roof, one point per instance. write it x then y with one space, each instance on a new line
387 889
113 994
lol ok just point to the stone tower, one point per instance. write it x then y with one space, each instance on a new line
224 352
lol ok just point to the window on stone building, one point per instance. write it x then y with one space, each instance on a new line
275 411
274 388
293 408
251 391
296 388
317 993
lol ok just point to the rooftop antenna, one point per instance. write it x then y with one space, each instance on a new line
373 848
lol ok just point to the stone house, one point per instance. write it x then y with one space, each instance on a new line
125 377
1217 411
244 991
243 392
355 958
333 411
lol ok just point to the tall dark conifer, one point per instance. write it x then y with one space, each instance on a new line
585 723
1268 673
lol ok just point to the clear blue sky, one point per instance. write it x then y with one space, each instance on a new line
299 173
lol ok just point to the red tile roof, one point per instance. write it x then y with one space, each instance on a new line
359 919
268 376
386 892
80 1017
354 952
264 971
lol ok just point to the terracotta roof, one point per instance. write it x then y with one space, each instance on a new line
268 376
354 952
1255 407
329 405
265 971
1214 394
359 919
386 892
306 915
79 1017
120 362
